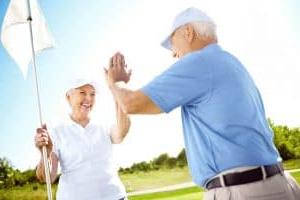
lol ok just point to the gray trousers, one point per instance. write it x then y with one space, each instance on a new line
278 187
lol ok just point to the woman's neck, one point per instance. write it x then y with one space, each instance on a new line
82 120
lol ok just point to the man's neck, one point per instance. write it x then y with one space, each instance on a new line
202 43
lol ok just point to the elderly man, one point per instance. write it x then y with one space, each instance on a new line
227 137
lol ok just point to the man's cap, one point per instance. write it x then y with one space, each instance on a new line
188 15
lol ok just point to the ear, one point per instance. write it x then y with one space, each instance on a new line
190 33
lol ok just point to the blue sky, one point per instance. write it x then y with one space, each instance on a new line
18 109
263 34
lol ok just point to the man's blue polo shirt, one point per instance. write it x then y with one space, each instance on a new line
223 115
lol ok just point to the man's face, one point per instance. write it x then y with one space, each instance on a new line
180 42
82 99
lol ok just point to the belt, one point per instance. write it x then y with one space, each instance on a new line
248 176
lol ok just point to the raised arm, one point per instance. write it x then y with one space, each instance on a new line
131 102
121 128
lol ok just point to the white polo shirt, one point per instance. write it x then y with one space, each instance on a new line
85 156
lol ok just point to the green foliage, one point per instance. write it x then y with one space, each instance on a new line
6 174
143 166
287 141
285 151
181 159
9 177
161 162
171 163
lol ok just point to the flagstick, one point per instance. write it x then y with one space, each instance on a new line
44 150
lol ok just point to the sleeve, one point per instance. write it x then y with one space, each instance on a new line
184 83
106 130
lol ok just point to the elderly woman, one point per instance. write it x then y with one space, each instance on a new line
83 149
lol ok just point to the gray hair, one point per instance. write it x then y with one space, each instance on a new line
205 29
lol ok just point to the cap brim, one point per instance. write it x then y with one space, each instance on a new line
82 82
167 43
92 83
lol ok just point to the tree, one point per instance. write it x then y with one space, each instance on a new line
181 159
287 141
171 163
6 174
161 160
285 152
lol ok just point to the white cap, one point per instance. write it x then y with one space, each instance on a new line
186 16
78 82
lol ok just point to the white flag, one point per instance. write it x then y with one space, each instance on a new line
15 34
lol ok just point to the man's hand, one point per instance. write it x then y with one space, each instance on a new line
116 71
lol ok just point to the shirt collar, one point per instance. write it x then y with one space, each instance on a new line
211 47
71 122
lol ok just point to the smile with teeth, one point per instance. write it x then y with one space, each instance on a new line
86 105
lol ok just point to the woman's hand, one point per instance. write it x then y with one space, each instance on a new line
42 139
116 71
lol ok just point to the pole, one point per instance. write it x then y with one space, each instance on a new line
44 150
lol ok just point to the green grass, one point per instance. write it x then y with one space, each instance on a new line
28 192
292 164
137 182
155 179
191 193
296 175
164 177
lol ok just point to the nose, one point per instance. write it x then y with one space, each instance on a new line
89 97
